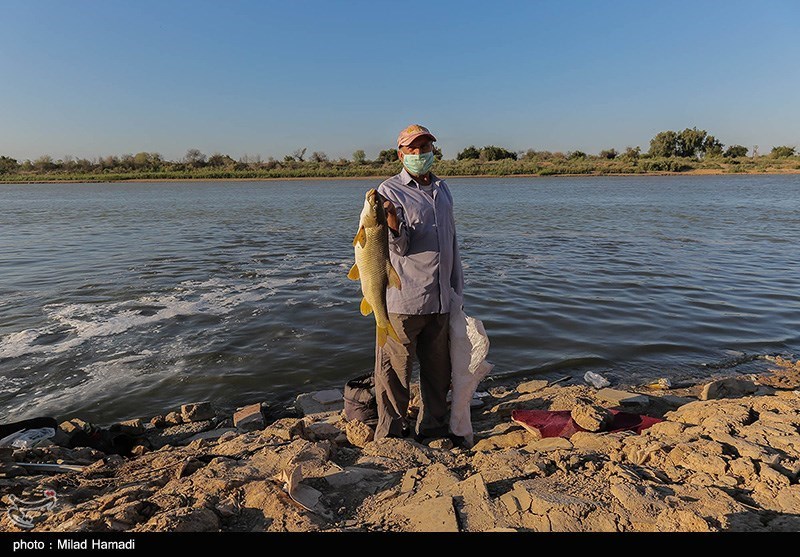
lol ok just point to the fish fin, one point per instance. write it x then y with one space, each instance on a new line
353 274
366 309
392 333
394 278
361 237
381 332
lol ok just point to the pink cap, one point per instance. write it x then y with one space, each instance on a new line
411 133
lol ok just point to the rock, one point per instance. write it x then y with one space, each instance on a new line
515 438
590 416
197 412
158 421
188 467
319 401
176 434
133 427
431 515
249 418
322 430
359 433
442 444
349 476
600 443
184 519
213 434
173 418
549 444
285 428
139 450
624 398
532 386
74 425
409 480
730 387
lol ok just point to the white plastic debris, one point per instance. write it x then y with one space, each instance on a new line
596 380
27 438
469 346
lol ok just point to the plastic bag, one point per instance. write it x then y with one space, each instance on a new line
469 346
27 438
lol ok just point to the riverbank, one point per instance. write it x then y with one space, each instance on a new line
722 455
447 169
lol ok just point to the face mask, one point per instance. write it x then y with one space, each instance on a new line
418 165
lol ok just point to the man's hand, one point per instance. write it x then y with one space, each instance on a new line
391 216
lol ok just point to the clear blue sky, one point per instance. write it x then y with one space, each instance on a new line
93 78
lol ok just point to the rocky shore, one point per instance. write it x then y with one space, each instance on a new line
725 456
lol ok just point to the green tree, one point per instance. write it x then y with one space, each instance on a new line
576 155
690 142
8 165
664 144
632 153
437 153
470 152
319 156
388 155
608 154
712 147
218 160
494 153
359 156
782 151
44 164
735 151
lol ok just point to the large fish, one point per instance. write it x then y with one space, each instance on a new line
372 264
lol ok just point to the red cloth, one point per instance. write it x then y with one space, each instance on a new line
559 423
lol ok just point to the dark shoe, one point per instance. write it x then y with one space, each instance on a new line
458 441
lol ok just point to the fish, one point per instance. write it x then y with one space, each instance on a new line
372 264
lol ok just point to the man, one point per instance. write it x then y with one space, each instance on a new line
424 252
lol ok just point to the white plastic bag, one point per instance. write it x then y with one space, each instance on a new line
27 438
469 346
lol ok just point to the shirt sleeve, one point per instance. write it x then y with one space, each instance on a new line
397 243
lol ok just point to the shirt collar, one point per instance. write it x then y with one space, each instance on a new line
409 180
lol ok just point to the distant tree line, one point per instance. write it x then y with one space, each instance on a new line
669 150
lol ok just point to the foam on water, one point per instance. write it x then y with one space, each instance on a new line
101 377
79 323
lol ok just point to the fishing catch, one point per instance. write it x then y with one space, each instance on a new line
373 266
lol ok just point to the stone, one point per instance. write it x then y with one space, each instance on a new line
549 444
177 434
158 421
211 435
173 418
532 386
131 427
731 387
515 438
249 418
197 412
617 397
359 433
319 401
590 416
285 428
322 430
442 444
431 515
139 450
